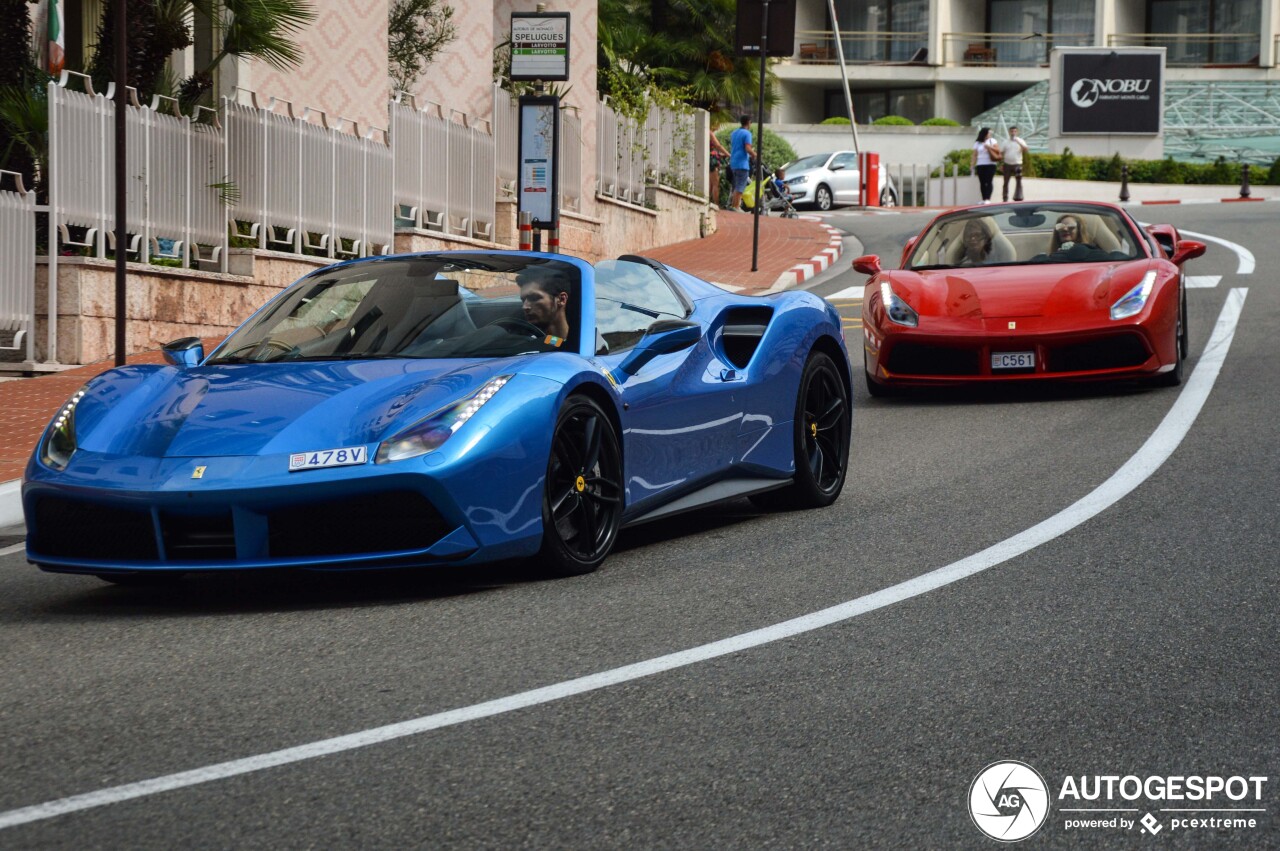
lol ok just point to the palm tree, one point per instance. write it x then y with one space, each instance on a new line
679 45
253 29
16 74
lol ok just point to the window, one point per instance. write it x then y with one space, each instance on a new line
1063 23
870 104
629 298
1238 22
886 30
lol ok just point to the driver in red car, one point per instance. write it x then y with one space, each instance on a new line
544 295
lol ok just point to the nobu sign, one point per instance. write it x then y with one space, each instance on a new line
1112 92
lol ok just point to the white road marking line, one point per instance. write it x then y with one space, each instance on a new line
849 292
1153 453
16 548
1203 281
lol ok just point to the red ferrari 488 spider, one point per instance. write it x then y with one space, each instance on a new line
1028 292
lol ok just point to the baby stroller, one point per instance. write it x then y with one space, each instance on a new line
776 198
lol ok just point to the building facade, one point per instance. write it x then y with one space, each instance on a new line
957 58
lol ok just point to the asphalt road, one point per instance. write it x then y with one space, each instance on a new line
1139 642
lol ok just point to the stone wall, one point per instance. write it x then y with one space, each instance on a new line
162 304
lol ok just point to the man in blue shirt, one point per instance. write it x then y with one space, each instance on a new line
740 156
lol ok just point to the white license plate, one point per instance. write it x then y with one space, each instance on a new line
1013 360
343 457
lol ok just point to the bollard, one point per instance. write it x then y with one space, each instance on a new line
1124 182
526 231
1244 181
553 238
1017 182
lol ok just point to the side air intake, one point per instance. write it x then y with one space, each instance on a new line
743 329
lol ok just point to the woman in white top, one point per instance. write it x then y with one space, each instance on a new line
983 162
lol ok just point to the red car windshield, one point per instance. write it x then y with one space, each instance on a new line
1024 235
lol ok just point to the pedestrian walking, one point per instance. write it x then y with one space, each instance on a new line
741 153
1011 151
719 158
982 161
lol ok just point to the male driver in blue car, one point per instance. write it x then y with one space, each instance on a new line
544 295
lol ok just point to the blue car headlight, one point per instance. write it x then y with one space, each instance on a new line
430 433
896 309
59 442
1135 299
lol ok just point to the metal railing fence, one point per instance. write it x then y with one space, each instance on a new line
1193 50
17 264
174 165
445 169
571 146
306 187
1006 50
668 148
819 47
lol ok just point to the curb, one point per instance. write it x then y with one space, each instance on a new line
10 503
1204 201
802 272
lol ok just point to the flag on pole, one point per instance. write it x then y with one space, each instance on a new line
57 40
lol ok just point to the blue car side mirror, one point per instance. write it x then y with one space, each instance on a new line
661 338
186 353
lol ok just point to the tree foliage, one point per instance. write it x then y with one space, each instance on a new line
417 30
253 29
17 74
683 46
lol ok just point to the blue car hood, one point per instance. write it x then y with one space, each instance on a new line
261 409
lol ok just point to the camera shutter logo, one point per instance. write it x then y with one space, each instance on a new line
1008 800
1084 93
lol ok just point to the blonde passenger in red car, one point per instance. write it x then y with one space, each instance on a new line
1068 232
977 243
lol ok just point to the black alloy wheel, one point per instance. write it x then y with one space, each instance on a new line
822 432
822 197
582 498
1174 377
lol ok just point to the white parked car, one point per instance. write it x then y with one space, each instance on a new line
827 180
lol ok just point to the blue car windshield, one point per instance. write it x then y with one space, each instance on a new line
426 306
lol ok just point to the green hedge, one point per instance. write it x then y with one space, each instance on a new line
835 119
939 122
1069 166
893 121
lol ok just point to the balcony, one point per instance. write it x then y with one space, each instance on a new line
818 47
1196 50
1006 50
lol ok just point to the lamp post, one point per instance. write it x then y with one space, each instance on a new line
122 240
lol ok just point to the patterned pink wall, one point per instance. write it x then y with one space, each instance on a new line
344 70
461 77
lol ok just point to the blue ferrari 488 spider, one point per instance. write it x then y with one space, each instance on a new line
451 407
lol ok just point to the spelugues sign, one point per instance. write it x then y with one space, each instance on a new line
1112 93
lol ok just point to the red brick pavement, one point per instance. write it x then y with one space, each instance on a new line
725 256
26 405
